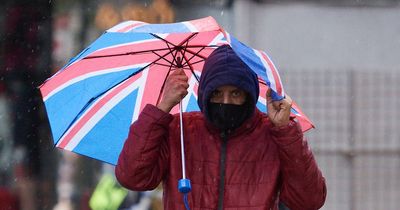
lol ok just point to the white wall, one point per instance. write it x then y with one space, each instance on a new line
311 36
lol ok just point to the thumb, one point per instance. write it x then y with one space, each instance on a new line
268 97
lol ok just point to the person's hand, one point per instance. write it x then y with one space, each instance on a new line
175 90
279 111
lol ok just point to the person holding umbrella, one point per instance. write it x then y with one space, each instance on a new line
236 156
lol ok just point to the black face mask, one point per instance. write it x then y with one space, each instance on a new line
227 116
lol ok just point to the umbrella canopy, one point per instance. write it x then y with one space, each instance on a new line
92 101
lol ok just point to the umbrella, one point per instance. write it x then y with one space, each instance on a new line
92 101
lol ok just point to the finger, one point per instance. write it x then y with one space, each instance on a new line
182 78
179 83
185 85
184 93
180 86
179 71
268 96
286 103
179 74
289 99
177 80
277 104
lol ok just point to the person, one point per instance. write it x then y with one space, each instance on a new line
236 156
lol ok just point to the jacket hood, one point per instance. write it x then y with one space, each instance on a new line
224 67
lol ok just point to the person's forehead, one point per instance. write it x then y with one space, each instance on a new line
228 88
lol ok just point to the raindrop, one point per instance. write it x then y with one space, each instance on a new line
49 1
222 12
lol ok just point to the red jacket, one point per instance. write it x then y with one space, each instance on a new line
264 164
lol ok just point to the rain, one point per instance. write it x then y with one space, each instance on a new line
339 61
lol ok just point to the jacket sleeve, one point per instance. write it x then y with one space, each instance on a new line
303 186
143 160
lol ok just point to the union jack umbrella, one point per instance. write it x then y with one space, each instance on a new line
92 101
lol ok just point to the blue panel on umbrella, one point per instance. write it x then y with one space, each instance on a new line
68 103
261 107
111 39
105 141
162 28
192 105
248 55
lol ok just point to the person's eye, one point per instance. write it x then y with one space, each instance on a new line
215 93
236 93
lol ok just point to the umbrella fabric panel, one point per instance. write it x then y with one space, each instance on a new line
109 133
67 104
108 40
261 65
101 108
191 104
163 28
147 94
203 24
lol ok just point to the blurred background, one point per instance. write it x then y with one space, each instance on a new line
339 59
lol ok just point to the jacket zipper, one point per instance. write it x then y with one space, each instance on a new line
222 171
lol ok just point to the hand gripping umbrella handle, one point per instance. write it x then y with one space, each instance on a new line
183 184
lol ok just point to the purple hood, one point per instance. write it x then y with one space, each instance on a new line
224 67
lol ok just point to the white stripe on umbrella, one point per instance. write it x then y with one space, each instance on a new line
138 103
267 70
278 80
190 26
91 74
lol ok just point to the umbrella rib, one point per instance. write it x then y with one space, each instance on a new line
162 64
163 57
143 51
171 51
127 53
194 55
200 46
180 44
191 68
186 40
194 62
184 51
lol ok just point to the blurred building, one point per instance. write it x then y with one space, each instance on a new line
337 59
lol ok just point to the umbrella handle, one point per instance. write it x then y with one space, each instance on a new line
183 184
182 143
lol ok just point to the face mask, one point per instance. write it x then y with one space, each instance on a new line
227 116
